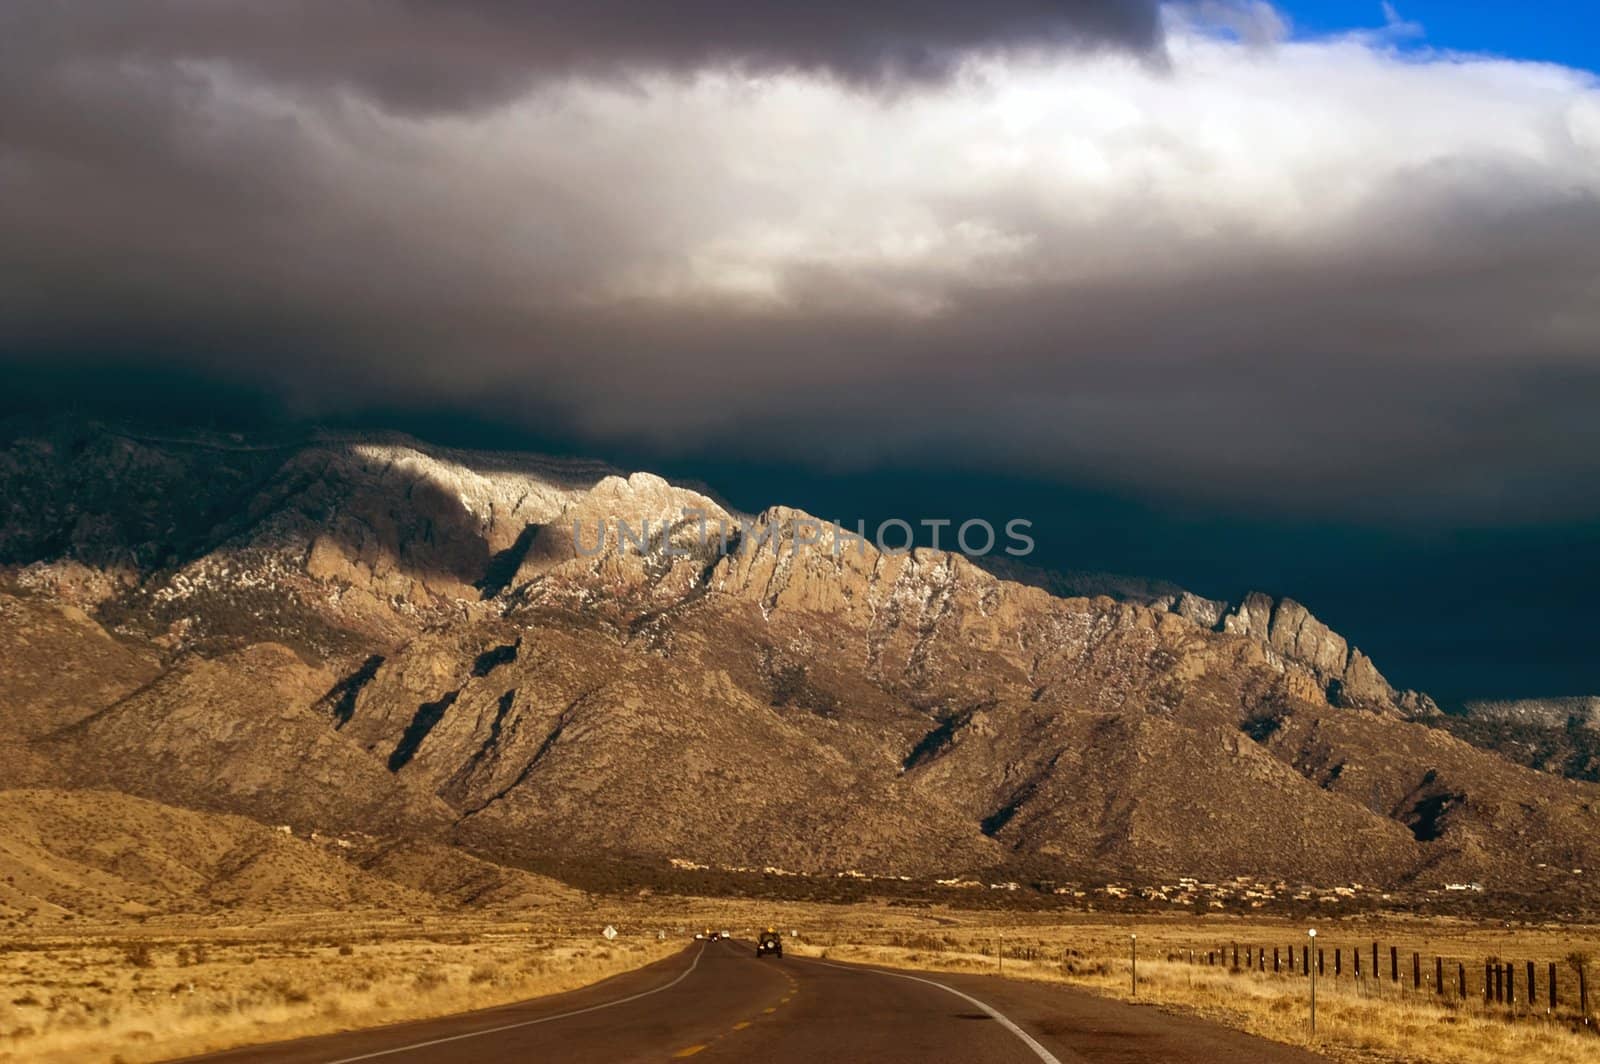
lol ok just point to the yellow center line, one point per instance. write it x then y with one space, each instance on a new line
771 1010
741 1025
688 1051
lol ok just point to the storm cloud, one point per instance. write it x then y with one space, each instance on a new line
440 55
1189 255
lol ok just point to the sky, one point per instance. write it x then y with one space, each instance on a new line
1552 31
1303 298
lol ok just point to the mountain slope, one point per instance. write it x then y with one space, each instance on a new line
375 636
99 854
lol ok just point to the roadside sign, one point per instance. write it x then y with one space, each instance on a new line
610 932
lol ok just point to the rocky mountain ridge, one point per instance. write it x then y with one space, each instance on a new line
1583 712
383 637
1289 630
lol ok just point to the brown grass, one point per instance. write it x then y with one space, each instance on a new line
1366 1020
183 990
172 986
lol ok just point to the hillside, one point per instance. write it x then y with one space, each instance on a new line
372 636
101 855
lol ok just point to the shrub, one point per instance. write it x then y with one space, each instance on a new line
429 979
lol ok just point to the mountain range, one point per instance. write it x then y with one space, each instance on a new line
421 656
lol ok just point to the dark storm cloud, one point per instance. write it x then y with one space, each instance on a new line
430 55
1171 286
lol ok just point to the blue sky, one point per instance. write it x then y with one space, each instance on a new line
1559 31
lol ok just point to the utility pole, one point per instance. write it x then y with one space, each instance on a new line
1312 934
1133 953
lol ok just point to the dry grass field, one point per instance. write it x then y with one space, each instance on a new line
1366 1019
170 986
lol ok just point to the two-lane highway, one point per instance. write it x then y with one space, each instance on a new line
718 1002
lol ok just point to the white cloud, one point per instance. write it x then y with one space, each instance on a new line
1050 171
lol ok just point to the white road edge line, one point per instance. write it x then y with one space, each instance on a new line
526 1023
994 1014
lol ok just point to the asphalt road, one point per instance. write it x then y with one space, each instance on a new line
719 1002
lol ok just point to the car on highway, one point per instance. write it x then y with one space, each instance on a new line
771 942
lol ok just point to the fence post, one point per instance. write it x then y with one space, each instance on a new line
1583 993
1375 972
1488 982
1511 983
1355 955
1438 975
1461 978
1416 971
1533 991
1338 962
1312 934
1305 960
1394 964
1552 986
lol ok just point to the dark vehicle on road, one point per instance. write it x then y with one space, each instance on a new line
769 941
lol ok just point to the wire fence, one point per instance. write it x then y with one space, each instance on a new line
1510 988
